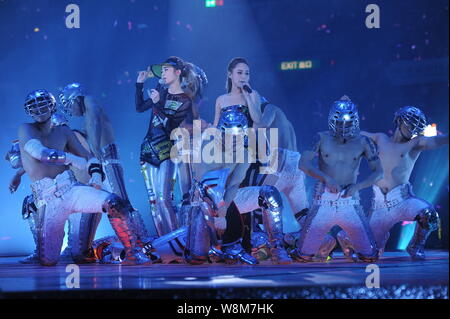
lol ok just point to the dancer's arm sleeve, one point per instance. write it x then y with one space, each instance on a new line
141 104
44 154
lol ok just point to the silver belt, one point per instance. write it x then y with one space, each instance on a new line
45 192
335 203
387 203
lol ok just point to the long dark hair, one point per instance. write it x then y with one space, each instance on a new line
188 78
231 66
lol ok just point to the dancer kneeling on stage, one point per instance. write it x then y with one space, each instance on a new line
336 199
82 227
394 200
55 190
220 206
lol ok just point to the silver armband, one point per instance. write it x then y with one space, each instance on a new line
52 156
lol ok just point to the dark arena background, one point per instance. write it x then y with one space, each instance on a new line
302 54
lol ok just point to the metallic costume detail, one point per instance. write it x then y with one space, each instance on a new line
413 118
199 237
114 171
40 102
118 214
213 186
13 155
58 119
115 206
57 198
206 197
233 117
329 210
343 119
346 246
393 198
145 170
234 120
28 207
170 247
44 154
427 221
33 222
94 166
68 95
158 181
108 250
234 252
260 242
82 228
400 204
272 205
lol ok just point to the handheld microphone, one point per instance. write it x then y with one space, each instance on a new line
160 85
247 88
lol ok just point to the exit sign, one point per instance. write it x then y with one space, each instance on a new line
298 65
213 3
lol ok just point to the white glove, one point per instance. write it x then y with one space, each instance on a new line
220 223
75 161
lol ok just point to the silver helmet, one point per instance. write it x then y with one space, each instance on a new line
413 118
40 103
343 119
68 95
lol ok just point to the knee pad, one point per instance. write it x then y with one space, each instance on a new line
270 198
116 207
429 219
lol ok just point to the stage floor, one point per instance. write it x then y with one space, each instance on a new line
335 279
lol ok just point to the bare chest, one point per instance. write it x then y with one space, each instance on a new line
55 139
394 154
396 157
334 153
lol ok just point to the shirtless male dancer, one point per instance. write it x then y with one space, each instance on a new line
99 133
82 227
336 198
56 192
394 199
208 175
